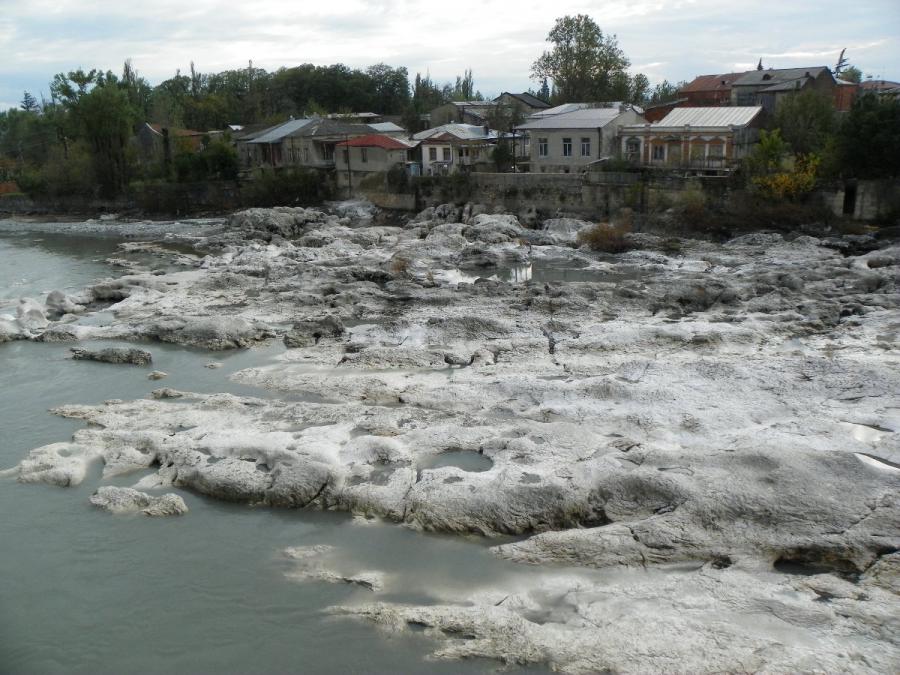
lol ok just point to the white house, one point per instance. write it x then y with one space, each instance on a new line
569 137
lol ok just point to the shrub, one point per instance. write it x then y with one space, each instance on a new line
691 208
399 265
790 185
606 238
282 188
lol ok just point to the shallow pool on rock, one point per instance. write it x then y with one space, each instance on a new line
467 460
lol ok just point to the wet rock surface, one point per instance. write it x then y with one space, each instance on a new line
120 500
134 357
728 412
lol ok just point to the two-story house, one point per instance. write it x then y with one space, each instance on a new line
578 135
453 147
711 138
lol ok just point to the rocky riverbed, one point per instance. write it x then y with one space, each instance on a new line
715 423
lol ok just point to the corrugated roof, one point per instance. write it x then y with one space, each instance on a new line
703 83
464 132
386 127
560 109
584 118
276 134
528 99
322 127
377 141
725 116
774 76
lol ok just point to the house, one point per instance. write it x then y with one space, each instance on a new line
362 156
709 90
582 133
454 147
844 94
709 138
654 113
389 129
356 118
767 88
155 142
306 143
527 104
462 112
271 147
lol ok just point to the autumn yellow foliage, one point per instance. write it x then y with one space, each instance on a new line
791 184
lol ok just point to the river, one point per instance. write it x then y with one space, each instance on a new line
82 591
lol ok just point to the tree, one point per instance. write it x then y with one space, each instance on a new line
851 74
584 64
30 104
390 88
106 118
806 120
868 142
664 92
768 155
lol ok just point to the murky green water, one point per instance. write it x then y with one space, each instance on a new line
82 591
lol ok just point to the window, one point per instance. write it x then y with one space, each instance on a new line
567 147
659 152
716 150
364 153
633 149
446 154
345 155
543 147
585 147
432 154
329 152
306 155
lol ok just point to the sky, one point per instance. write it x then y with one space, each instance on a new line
665 39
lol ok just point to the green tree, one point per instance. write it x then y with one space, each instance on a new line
767 156
868 141
851 74
584 64
106 118
806 120
664 92
30 104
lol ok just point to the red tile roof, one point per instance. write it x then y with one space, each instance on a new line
375 141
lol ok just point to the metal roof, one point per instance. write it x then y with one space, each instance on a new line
584 118
463 132
530 100
560 109
774 76
725 116
378 141
386 127
276 134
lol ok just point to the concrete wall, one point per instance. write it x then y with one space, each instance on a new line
864 199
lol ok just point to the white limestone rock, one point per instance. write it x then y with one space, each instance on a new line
119 500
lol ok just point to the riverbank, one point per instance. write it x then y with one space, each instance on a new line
711 426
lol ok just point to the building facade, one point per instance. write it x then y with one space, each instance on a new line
572 139
707 139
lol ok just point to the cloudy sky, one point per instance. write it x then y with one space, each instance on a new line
671 39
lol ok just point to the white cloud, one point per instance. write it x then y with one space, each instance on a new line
666 39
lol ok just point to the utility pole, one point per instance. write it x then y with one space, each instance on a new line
349 172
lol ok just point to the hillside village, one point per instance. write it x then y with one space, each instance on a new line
306 134
711 125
